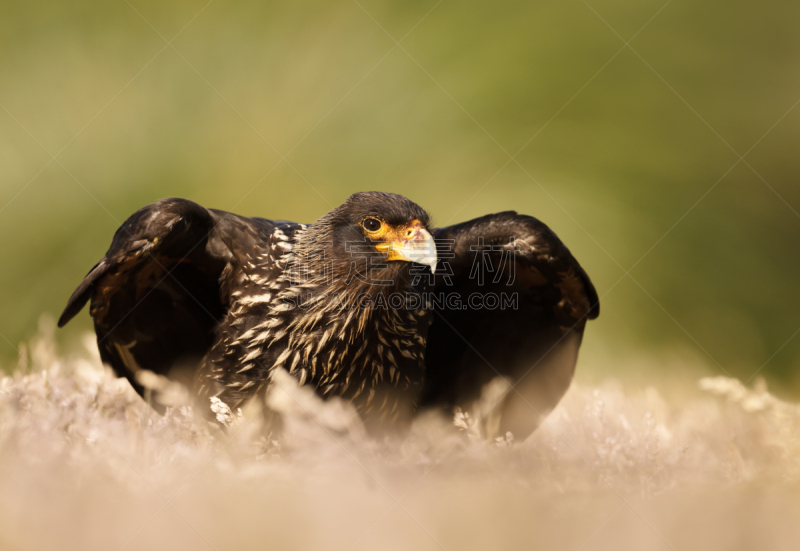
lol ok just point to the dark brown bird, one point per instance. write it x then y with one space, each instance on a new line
369 304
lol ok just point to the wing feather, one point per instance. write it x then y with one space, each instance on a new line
163 286
511 303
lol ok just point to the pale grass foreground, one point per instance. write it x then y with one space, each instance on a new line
85 465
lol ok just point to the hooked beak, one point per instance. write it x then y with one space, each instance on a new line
415 245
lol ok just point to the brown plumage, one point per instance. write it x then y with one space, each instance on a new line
369 304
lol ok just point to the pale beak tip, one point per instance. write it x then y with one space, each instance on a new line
421 249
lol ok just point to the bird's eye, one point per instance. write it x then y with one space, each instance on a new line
371 224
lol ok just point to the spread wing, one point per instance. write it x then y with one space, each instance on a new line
163 286
509 301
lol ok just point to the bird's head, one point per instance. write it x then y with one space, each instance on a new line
373 236
387 226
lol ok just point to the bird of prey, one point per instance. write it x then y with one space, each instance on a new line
370 304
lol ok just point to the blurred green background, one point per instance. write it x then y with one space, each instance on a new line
630 154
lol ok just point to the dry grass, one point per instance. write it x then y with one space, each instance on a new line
84 465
